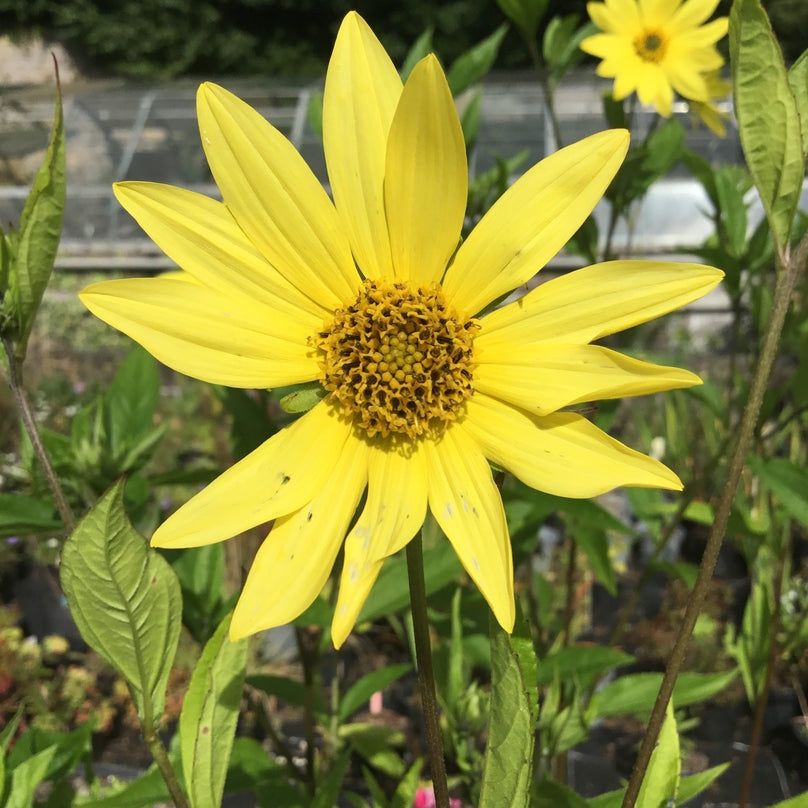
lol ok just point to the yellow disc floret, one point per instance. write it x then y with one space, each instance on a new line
651 46
399 359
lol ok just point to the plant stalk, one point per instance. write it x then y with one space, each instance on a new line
164 765
786 278
29 422
426 675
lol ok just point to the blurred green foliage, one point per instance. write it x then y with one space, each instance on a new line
166 38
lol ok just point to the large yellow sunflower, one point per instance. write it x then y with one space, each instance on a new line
656 47
371 295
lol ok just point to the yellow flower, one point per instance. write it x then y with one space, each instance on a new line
372 296
709 112
656 47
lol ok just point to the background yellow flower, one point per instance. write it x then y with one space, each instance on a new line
656 48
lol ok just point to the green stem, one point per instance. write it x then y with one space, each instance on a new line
548 90
426 675
771 663
29 422
786 278
310 659
164 765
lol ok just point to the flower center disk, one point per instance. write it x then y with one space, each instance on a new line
398 358
650 46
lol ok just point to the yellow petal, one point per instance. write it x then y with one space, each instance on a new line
544 378
692 14
597 300
295 559
657 13
426 183
561 454
362 89
653 88
279 477
275 198
466 504
393 514
201 333
200 235
533 220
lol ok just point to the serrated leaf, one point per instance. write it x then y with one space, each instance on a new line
768 122
798 80
209 716
27 776
369 684
524 14
125 599
508 767
39 233
21 514
472 65
420 48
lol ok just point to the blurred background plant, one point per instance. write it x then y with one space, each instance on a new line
603 585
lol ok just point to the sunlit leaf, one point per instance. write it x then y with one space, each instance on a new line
125 599
370 683
661 781
39 233
798 79
768 122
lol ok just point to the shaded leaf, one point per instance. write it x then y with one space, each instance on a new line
125 600
524 14
661 781
27 776
508 767
787 481
209 716
370 683
21 514
472 65
420 48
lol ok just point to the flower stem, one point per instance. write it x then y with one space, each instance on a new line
426 675
29 422
787 275
160 756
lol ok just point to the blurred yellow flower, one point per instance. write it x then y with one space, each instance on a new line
656 48
708 111
371 296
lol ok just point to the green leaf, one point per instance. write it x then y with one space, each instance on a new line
21 514
595 544
373 742
209 715
130 403
470 119
581 663
637 692
524 14
420 48
768 122
661 781
732 208
404 795
472 65
125 599
303 398
551 794
314 114
694 784
508 767
148 789
369 684
69 749
39 233
800 801
7 733
787 481
27 776
798 80
200 571
292 691
252 768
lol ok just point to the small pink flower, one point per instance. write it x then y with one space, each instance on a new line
425 798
